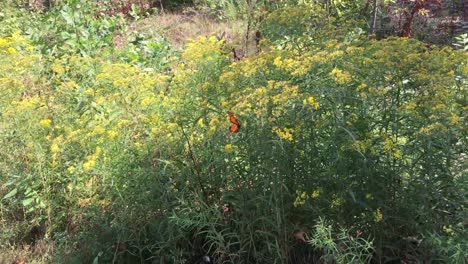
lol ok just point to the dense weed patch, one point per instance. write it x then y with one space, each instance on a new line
351 149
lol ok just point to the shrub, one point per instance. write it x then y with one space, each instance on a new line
112 161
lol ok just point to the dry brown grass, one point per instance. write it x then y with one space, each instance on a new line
179 28
38 254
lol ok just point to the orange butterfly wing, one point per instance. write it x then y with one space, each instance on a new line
234 128
232 118
236 124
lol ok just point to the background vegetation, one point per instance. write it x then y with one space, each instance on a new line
115 145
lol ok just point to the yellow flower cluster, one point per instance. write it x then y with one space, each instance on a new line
391 147
45 122
11 50
57 67
283 96
55 149
28 104
316 193
285 64
12 44
252 65
226 76
297 67
336 201
285 133
19 56
91 160
378 216
453 119
301 198
205 49
432 128
448 229
340 76
311 101
363 146
228 148
213 126
112 134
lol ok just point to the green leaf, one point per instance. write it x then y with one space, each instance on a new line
11 194
28 201
67 17
96 259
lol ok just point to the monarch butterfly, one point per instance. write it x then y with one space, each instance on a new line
236 125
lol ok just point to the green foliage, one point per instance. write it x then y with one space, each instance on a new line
452 245
300 26
232 9
461 42
74 27
344 249
294 24
374 138
146 52
14 18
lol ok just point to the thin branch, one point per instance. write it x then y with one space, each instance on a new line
374 18
195 165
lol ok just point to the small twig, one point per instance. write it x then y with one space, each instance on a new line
195 164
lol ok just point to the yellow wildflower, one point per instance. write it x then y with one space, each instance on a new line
453 119
378 216
54 148
336 202
311 101
12 50
301 198
148 101
362 86
285 133
45 122
391 147
340 76
411 106
89 164
71 169
277 62
89 92
228 148
448 230
112 134
316 193
201 123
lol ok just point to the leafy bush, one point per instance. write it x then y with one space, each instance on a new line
301 26
74 27
360 161
347 249
294 22
15 18
146 52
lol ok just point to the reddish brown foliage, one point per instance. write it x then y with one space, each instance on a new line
410 15
124 7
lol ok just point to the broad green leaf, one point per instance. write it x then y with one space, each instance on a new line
27 201
11 194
